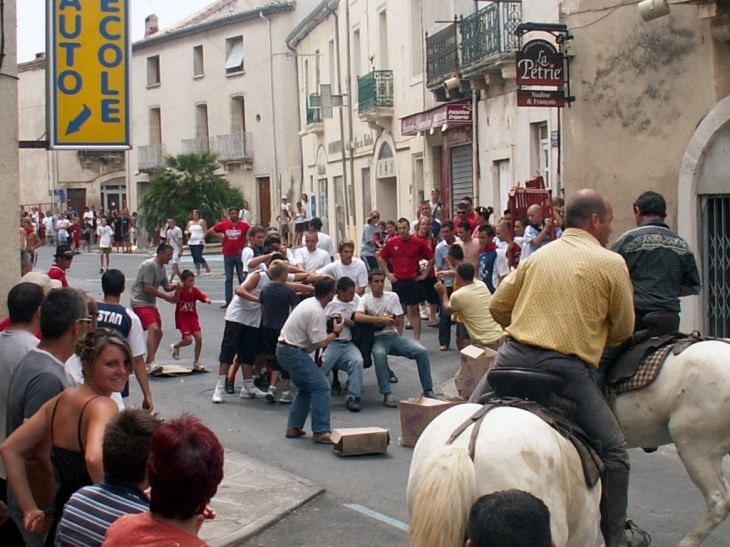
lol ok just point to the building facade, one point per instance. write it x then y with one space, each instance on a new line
652 112
222 80
9 150
356 158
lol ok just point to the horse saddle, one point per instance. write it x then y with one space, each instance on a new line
628 362
536 392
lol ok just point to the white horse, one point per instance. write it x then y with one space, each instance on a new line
514 449
688 404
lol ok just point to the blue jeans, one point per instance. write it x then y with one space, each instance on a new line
229 264
338 353
313 389
392 344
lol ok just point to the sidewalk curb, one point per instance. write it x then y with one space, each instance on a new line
253 497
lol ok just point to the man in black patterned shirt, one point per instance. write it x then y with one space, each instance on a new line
661 264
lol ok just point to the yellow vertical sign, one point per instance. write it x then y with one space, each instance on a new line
89 74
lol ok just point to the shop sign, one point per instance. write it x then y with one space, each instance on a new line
540 63
453 114
531 97
89 64
385 168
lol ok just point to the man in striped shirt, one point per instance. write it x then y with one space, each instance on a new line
93 509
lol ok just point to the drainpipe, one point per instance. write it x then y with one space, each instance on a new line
348 83
299 117
277 182
342 119
475 141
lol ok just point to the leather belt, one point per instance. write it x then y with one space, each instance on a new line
290 345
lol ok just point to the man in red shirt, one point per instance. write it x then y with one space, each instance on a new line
463 213
405 252
64 257
233 233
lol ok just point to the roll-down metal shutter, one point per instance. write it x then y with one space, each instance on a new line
461 175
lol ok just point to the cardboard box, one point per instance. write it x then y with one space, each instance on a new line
357 441
475 362
416 414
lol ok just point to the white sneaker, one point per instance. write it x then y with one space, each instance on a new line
175 352
271 394
153 369
218 394
254 393
286 398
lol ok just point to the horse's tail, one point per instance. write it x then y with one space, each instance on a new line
444 492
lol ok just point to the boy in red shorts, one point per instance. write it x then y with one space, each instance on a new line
186 317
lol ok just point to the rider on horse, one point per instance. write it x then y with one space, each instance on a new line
559 308
661 265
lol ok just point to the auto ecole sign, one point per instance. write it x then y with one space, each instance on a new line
89 74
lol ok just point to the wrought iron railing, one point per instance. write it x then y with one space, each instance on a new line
313 116
442 55
375 90
151 156
198 145
234 146
490 31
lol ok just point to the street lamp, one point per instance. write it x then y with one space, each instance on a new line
653 9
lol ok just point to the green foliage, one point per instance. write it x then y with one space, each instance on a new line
189 182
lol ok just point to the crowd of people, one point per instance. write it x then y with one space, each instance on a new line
299 314
112 230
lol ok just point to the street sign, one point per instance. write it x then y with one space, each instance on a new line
541 98
540 63
89 73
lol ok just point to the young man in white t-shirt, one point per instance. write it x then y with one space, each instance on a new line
324 241
310 257
174 237
348 266
383 308
252 255
105 233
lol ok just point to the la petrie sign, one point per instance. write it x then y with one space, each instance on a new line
540 63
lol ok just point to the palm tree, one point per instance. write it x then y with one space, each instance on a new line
189 181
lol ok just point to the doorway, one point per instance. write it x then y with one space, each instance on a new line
77 199
264 188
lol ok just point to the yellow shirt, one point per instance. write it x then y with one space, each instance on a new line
572 296
472 302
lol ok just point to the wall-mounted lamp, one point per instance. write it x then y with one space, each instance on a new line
432 130
452 83
653 9
419 135
445 127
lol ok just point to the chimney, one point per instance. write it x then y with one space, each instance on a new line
150 26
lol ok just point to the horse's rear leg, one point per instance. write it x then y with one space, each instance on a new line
705 470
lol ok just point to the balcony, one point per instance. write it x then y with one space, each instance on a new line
315 123
151 157
234 147
488 40
442 56
197 145
375 93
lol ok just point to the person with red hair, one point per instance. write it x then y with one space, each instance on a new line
184 471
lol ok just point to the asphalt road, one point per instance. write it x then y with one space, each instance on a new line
364 503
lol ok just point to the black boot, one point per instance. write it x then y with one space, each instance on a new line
614 526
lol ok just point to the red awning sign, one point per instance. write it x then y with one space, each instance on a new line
453 114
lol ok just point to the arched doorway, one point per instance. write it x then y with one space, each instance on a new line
386 183
704 186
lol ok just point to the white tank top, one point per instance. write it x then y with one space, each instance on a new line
196 234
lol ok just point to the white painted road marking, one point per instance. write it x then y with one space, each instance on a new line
378 516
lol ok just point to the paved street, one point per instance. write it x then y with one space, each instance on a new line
364 499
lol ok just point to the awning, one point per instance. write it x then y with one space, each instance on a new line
457 113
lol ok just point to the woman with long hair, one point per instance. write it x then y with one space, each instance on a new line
195 232
301 221
369 243
72 425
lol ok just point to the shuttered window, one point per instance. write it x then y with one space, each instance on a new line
461 175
